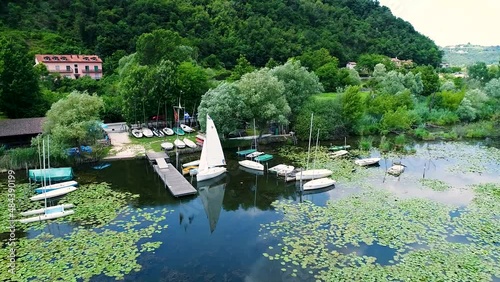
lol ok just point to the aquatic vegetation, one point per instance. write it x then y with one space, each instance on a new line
330 241
434 184
366 143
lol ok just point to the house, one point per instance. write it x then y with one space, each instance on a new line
402 63
18 132
72 66
351 65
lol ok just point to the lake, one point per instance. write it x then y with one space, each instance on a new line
216 235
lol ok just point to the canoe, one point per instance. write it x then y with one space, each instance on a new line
101 166
179 144
187 128
193 163
189 143
178 131
367 161
338 148
56 186
252 165
318 183
167 145
168 131
52 194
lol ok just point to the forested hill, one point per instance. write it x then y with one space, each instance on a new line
221 30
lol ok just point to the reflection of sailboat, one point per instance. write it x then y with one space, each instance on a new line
212 157
212 197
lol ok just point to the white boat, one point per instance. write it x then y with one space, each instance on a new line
318 183
212 160
193 163
396 170
254 154
137 133
52 194
282 169
187 128
42 210
49 213
168 131
147 132
313 174
189 143
367 161
338 154
252 165
167 145
56 186
179 144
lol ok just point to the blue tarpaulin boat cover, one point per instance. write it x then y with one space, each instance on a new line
54 174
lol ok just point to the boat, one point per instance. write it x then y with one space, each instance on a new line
282 169
245 152
318 183
178 131
193 163
338 154
189 143
186 128
168 131
147 132
42 210
157 132
212 198
291 176
254 154
167 145
56 186
188 169
54 193
212 160
179 144
102 166
367 161
52 174
264 158
137 133
200 139
49 213
338 148
251 170
396 169
252 165
313 174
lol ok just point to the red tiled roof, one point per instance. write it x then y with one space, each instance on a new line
21 126
47 58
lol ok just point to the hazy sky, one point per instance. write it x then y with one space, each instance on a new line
451 22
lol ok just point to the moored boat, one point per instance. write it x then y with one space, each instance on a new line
56 186
168 131
252 165
396 169
318 183
338 154
137 133
193 163
189 143
167 145
367 161
282 169
48 213
178 131
147 132
54 193
338 148
312 174
179 144
187 128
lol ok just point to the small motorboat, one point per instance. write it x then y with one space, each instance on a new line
179 144
396 169
187 128
137 133
189 143
147 132
367 161
168 131
318 183
178 131
167 145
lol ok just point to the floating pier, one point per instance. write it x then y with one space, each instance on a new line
173 179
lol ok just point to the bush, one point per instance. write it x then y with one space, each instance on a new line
442 117
385 145
422 133
365 143
19 158
397 120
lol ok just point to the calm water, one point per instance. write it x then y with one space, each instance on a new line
214 236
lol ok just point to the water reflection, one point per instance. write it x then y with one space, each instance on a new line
212 196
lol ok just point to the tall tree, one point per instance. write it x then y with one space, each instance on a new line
430 79
20 95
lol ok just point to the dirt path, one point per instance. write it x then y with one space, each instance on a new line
123 147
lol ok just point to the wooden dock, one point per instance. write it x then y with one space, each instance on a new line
173 179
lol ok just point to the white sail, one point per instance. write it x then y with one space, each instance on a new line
211 153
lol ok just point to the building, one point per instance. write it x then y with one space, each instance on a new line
351 65
72 66
402 63
18 132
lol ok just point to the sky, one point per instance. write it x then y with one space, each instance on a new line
451 22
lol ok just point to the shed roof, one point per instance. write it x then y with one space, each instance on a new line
21 126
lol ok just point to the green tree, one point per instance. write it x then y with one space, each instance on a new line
193 81
430 79
352 105
242 67
479 71
163 44
366 63
328 74
74 120
20 95
313 60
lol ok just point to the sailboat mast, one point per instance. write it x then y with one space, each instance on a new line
315 152
254 135
44 183
310 135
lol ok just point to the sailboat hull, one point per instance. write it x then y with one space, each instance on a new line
313 174
46 216
319 183
210 173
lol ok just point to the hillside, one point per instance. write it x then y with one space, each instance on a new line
467 54
220 30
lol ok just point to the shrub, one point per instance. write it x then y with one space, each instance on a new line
384 145
365 143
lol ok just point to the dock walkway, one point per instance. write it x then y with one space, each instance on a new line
173 179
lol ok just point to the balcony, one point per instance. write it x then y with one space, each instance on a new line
92 71
63 70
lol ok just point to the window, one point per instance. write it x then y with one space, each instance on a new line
64 58
87 68
76 68
85 58
46 58
68 68
96 68
93 59
57 68
55 58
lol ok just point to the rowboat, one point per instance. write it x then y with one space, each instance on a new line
396 170
338 148
367 161
338 154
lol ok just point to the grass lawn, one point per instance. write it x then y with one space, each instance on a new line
154 143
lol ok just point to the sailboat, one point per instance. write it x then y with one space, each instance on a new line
320 182
249 163
212 157
212 197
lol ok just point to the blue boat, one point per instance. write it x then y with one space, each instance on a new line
53 174
178 131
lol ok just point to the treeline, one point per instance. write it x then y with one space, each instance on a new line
220 30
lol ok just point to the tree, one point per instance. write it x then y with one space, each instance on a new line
163 44
263 94
242 67
478 71
352 105
366 63
328 75
313 60
430 79
74 120
20 95
193 81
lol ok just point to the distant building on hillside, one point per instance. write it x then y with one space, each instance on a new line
401 63
72 66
